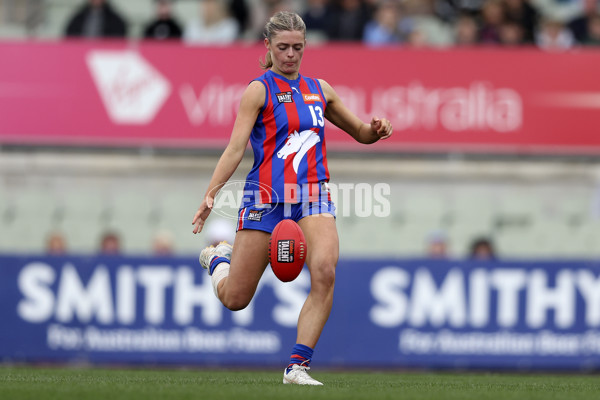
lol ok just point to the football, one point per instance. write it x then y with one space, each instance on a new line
287 250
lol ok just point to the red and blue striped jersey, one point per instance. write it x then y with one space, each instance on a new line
288 140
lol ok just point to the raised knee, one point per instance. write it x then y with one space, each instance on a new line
235 303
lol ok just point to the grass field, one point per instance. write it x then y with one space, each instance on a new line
113 384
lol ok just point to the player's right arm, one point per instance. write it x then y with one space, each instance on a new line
250 105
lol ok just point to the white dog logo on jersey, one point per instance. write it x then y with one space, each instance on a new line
298 143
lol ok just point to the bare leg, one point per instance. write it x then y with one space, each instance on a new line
248 263
323 253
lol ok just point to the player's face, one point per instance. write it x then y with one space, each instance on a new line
287 48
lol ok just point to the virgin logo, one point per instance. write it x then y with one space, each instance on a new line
132 91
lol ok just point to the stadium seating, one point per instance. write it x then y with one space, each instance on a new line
524 220
56 13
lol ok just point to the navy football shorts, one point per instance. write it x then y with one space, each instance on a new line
264 217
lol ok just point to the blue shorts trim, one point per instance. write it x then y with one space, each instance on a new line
264 217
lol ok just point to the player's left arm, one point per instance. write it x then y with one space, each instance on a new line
339 115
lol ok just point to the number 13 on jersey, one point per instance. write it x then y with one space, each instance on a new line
317 115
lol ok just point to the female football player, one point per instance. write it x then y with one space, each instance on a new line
283 115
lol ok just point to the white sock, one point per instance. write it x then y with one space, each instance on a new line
221 271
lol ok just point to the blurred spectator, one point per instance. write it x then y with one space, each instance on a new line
261 12
214 27
56 243
511 34
580 26
240 12
419 7
524 15
437 245
162 244
466 31
492 16
316 17
164 26
464 6
450 10
384 28
593 38
417 37
110 244
447 10
220 229
348 20
482 249
552 35
96 19
423 26
558 10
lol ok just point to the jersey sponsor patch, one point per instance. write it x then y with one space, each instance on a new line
255 215
284 97
311 97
